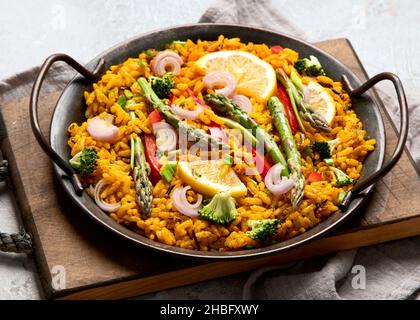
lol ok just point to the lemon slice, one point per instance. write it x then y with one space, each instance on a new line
209 177
321 101
254 77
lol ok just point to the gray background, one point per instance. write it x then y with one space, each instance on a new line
384 33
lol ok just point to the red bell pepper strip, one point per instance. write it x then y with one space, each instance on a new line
276 49
258 158
155 117
171 100
290 114
150 148
314 177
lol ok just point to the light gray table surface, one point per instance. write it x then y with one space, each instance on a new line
384 33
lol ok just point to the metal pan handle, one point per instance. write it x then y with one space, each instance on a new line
403 132
94 75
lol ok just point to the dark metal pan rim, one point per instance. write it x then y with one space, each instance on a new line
354 200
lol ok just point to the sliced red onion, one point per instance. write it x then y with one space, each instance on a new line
168 64
219 133
108 207
160 125
243 102
168 53
165 60
221 78
275 182
179 198
166 136
101 130
187 114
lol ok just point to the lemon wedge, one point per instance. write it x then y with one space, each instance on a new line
254 77
321 101
210 177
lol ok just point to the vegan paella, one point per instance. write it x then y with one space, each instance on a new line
218 145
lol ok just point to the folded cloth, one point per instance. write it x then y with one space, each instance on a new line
20 85
387 271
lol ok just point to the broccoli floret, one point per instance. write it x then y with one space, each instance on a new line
310 67
221 209
325 148
262 229
84 161
162 86
341 179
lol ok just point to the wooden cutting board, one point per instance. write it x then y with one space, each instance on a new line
77 259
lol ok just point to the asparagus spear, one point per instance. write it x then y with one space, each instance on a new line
293 156
143 185
320 121
192 132
141 169
234 125
299 105
224 105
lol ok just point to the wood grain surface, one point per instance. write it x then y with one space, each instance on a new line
97 264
